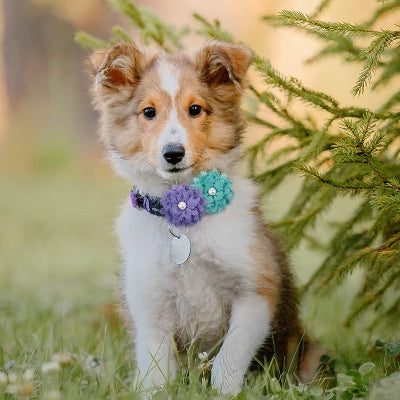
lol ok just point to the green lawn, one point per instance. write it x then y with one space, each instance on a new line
60 337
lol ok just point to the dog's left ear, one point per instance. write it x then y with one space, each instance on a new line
116 67
220 63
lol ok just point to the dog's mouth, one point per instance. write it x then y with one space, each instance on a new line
175 174
177 170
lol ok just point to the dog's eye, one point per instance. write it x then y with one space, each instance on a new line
195 110
149 112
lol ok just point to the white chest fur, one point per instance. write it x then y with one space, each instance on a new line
191 300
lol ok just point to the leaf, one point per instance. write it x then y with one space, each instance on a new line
88 41
324 358
316 391
274 385
393 349
345 380
366 368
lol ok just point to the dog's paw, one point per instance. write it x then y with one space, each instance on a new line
150 383
150 391
153 394
225 378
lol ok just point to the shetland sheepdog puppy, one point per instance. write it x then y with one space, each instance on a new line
164 120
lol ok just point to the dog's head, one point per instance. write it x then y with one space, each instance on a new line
170 115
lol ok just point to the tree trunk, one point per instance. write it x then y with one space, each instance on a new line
3 98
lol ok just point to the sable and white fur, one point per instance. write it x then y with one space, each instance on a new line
236 285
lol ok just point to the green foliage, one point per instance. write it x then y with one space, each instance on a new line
350 151
392 349
88 41
147 24
340 39
354 383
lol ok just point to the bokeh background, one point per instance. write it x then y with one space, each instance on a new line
58 196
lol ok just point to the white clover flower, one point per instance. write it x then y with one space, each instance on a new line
29 374
9 364
19 389
3 378
13 389
92 365
205 365
63 359
50 367
12 377
203 356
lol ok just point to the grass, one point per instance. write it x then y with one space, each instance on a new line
60 337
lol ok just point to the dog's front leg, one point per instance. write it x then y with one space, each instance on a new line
155 356
249 326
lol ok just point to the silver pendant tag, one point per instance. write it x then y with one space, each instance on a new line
179 248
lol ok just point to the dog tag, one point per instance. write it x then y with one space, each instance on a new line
179 249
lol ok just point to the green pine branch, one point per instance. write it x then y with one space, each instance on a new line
372 55
320 8
299 19
341 34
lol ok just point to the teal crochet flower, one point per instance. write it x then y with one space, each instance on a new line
216 188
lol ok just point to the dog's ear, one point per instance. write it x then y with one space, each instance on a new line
221 62
115 67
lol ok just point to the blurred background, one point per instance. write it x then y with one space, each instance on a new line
58 197
43 86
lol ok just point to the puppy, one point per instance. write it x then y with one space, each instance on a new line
164 120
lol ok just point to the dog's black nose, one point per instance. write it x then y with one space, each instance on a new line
173 153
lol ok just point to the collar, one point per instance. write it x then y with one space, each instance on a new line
185 205
151 204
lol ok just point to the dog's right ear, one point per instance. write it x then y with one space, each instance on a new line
222 63
116 67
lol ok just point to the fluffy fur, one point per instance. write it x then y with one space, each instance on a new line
236 285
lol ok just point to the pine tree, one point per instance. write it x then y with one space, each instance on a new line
353 153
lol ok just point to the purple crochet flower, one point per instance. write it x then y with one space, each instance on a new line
133 199
183 206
